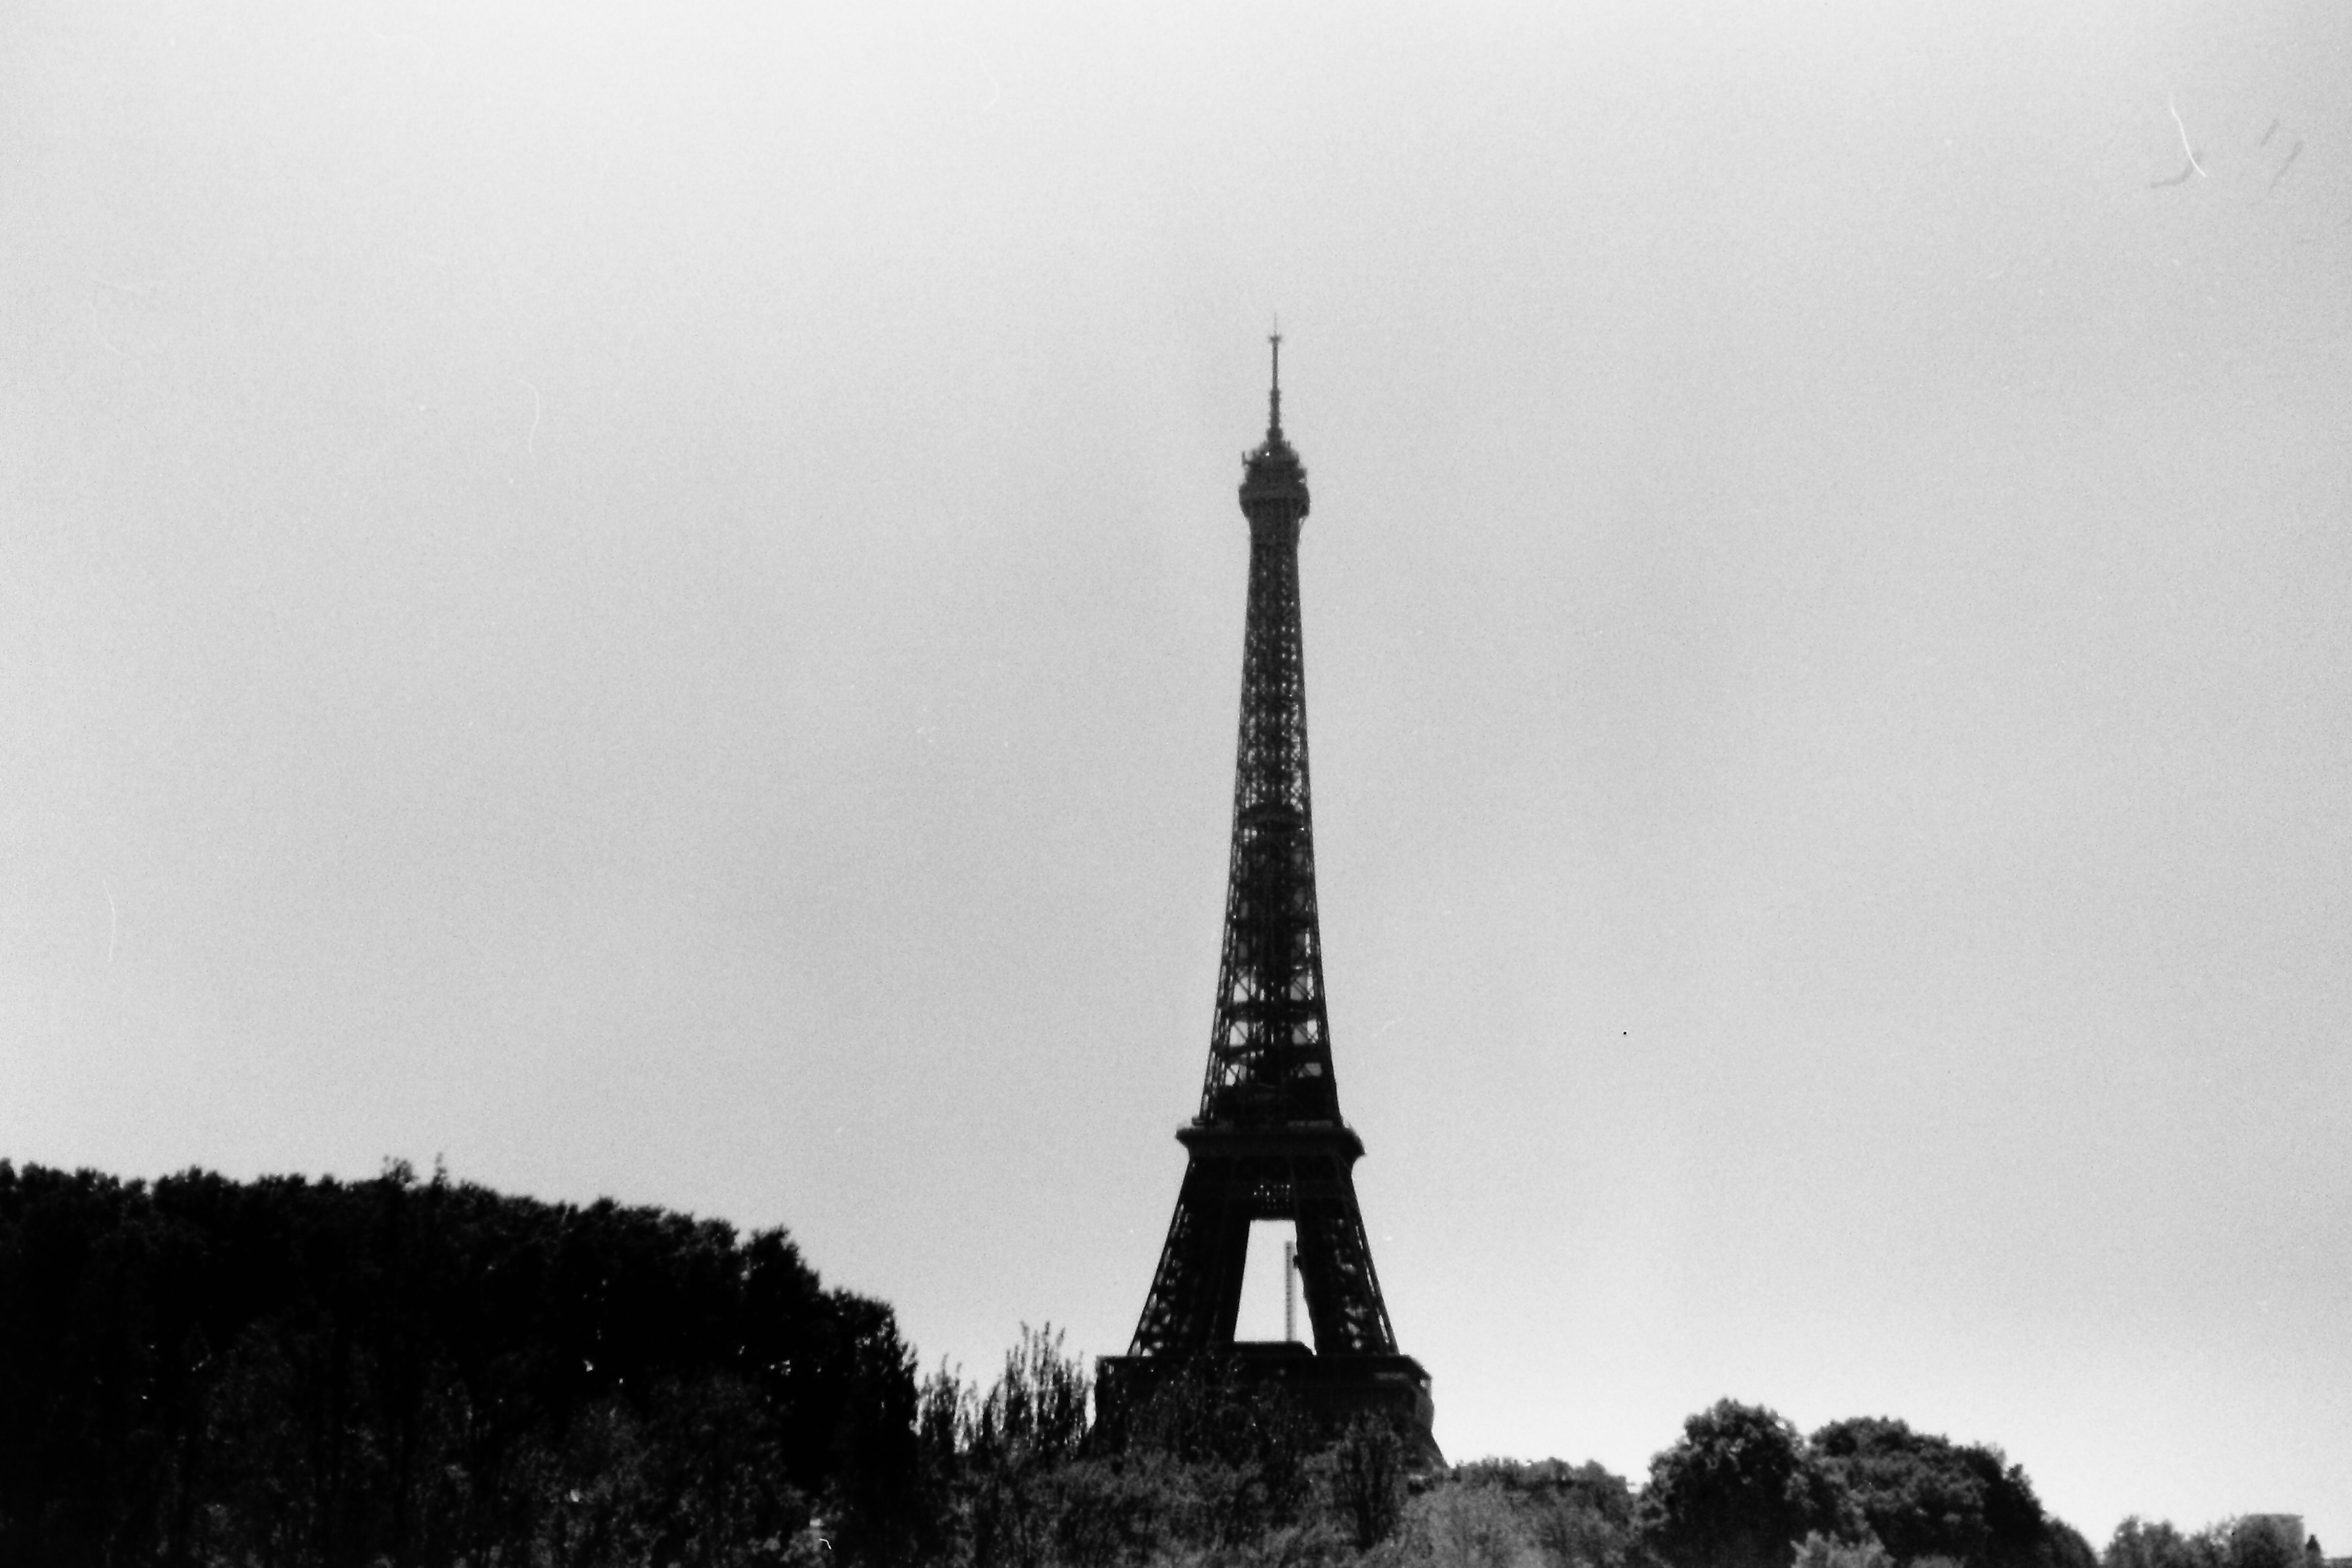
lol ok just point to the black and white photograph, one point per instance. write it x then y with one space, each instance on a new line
665 900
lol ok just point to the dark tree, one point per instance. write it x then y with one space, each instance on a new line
1740 1491
1368 1479
317 1372
2067 1548
1003 1453
1924 1496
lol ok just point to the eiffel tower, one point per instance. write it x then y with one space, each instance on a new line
1269 1143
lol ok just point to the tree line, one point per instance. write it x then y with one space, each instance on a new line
398 1371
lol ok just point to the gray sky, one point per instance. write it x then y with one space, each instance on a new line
652 604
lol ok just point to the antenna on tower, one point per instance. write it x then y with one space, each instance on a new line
1274 399
1290 1289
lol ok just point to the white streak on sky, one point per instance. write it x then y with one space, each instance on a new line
2183 126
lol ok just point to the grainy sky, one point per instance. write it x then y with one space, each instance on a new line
648 600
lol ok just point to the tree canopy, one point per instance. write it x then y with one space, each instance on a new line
1924 1496
299 1371
1742 1488
1738 1490
2248 1541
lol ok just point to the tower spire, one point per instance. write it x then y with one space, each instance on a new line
1274 397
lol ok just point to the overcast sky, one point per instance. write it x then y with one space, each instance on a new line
648 600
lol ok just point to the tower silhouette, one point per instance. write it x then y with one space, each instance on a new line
1269 1143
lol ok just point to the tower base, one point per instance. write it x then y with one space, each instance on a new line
1332 1390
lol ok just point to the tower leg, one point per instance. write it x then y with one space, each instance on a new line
1196 1295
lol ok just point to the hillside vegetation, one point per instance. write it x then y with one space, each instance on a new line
291 1373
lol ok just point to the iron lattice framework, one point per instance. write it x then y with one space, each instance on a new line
1269 1143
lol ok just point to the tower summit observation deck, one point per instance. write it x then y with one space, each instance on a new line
1269 1143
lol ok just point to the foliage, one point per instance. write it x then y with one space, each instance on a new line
2263 1540
1246 1450
2250 1541
1365 1474
1741 1488
1001 1453
1819 1551
294 1372
2140 1544
1513 1515
1924 1496
1570 1514
1214 1467
1472 1522
1210 1463
1740 1491
2065 1547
